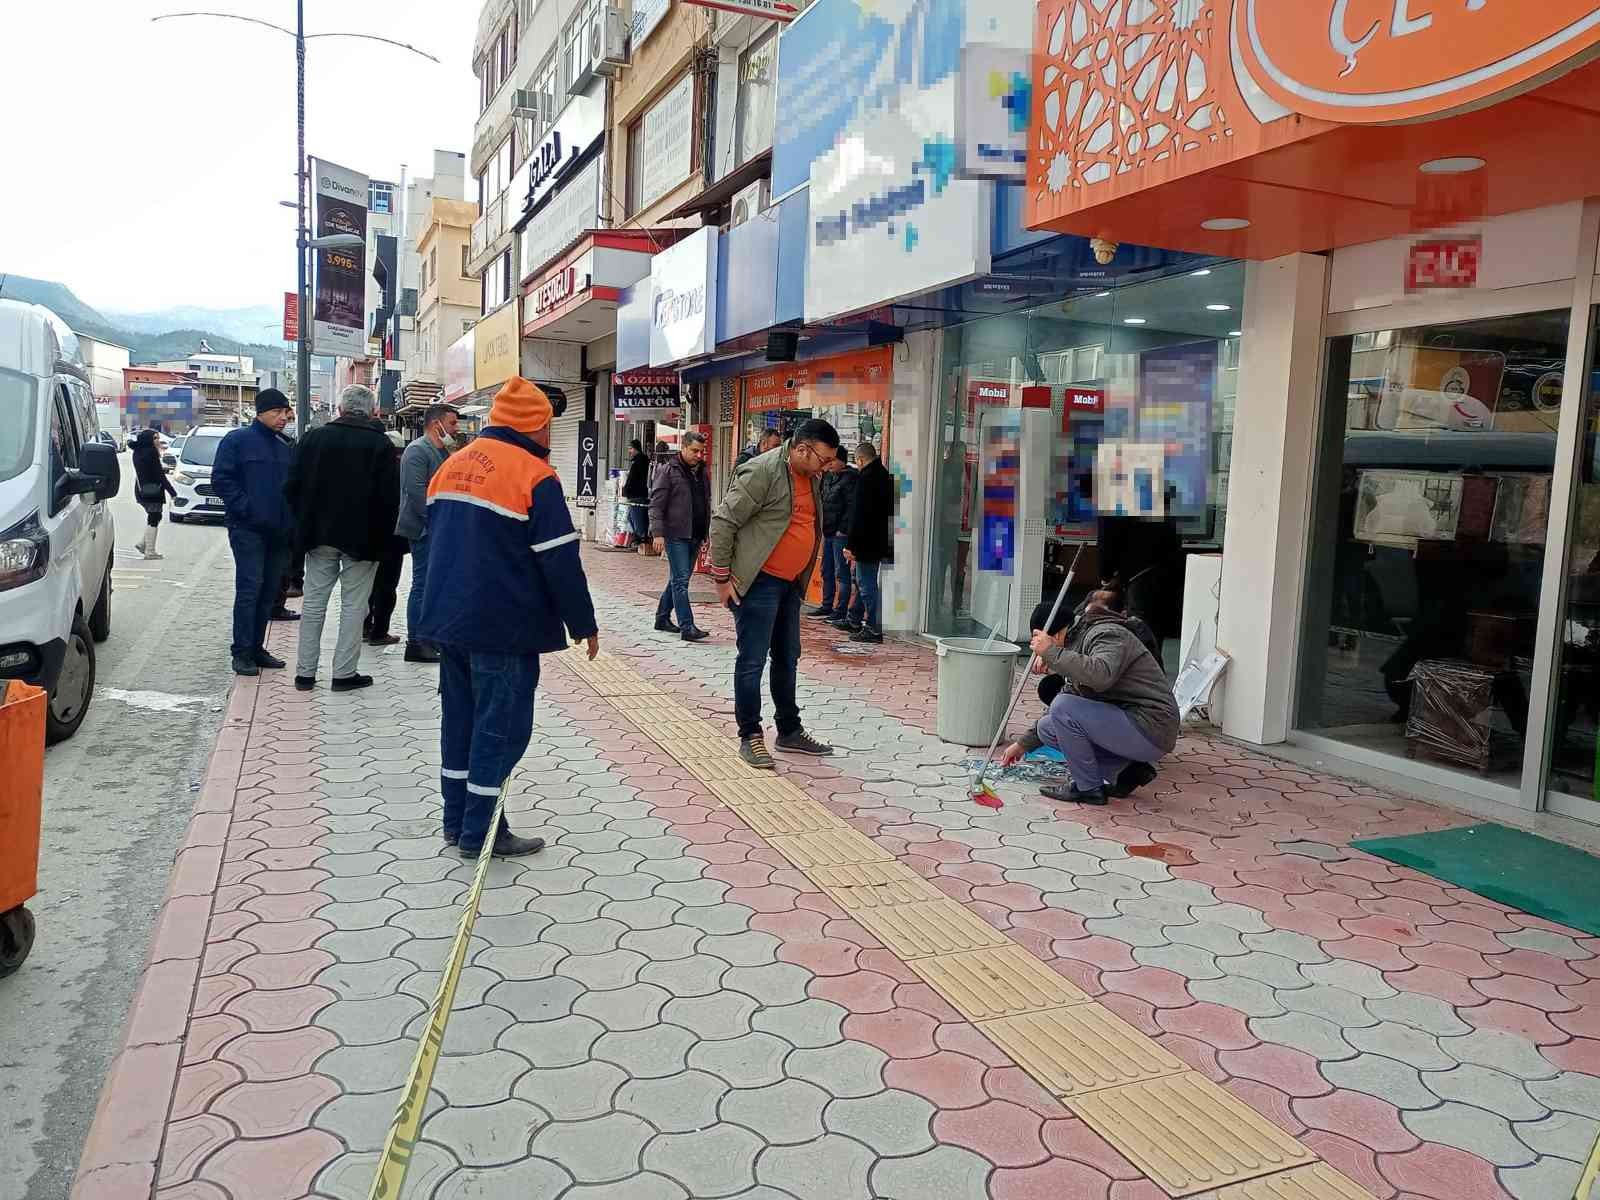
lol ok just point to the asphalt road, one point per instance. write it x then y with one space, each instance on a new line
117 797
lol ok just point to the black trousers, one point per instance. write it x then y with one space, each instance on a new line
385 586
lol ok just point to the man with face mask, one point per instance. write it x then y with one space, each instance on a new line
420 460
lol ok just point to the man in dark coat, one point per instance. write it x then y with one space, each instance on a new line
680 518
869 544
838 494
249 474
770 439
344 489
636 491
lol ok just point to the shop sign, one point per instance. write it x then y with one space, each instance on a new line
496 356
1440 263
861 377
582 120
773 10
982 392
571 212
559 288
1376 61
667 134
1086 400
683 280
588 488
1037 396
992 119
291 317
647 14
633 391
458 366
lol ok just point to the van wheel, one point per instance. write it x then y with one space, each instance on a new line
69 700
100 618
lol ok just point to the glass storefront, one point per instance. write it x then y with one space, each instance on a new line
1103 422
1432 497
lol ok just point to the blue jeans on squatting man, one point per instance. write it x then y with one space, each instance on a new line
681 555
835 571
867 611
1097 739
259 565
419 576
487 722
767 621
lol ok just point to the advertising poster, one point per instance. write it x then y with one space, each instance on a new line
1433 387
587 491
1176 387
339 309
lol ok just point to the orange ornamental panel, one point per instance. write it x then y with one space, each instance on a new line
861 377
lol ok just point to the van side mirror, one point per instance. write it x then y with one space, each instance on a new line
98 471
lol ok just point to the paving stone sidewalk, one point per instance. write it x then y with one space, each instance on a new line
660 1006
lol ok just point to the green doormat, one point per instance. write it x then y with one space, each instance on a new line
1516 869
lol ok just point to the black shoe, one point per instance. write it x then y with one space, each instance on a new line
294 592
801 742
694 634
383 639
754 752
270 662
304 683
845 623
351 682
506 845
452 839
866 635
821 611
1132 777
245 666
667 627
1067 794
284 614
418 653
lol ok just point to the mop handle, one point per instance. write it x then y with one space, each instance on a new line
1016 695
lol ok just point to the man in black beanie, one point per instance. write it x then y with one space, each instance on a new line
251 468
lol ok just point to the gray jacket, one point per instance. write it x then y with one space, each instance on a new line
1105 660
746 526
417 465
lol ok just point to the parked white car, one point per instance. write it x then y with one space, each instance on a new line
56 534
191 478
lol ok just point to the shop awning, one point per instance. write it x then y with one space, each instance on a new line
576 299
725 188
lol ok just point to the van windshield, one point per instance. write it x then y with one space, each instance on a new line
200 450
18 411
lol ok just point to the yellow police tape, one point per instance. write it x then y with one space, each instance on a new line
1591 1169
402 1139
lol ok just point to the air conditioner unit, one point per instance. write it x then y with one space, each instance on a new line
748 201
529 105
608 44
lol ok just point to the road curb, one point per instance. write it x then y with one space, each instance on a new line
123 1148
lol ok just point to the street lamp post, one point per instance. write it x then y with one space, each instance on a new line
303 242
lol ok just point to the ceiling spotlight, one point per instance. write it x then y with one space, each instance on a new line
1133 320
1235 333
1101 295
1225 224
1201 271
1456 165
1218 307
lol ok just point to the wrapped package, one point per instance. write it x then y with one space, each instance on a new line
1455 715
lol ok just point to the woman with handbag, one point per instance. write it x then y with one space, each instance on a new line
152 489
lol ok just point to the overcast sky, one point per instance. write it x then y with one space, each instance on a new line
144 161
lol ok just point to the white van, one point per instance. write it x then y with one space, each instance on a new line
196 499
56 536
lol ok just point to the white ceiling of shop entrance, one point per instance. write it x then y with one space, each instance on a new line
1173 305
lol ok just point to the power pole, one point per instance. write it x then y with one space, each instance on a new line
303 182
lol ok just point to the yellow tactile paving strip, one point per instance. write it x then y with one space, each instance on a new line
1183 1131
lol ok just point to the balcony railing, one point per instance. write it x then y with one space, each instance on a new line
489 226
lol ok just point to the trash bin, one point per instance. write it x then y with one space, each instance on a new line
974 688
21 791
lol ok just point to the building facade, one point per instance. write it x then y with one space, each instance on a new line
226 385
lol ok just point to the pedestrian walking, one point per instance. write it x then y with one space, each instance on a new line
386 581
770 439
680 518
151 489
838 493
636 492
249 474
418 463
344 490
1114 716
869 543
505 585
765 536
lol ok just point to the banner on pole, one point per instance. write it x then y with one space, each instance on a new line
339 310
291 317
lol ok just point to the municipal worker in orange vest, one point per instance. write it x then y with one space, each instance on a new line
505 585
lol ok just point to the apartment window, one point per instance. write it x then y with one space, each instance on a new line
380 197
505 277
466 252
758 99
547 86
432 271
635 195
575 40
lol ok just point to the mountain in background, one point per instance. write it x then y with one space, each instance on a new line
150 337
252 324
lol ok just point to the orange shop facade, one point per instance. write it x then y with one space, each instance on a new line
1408 583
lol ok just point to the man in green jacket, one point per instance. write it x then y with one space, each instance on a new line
764 540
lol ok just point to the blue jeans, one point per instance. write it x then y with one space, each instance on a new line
487 703
835 573
767 621
259 564
419 576
1096 738
868 608
681 553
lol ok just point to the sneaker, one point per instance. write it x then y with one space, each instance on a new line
754 752
801 742
384 639
452 839
506 845
694 634
284 614
866 635
1066 793
304 683
1133 777
822 612
667 626
418 653
351 682
246 666
153 556
270 662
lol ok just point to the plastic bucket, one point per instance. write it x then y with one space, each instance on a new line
974 688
